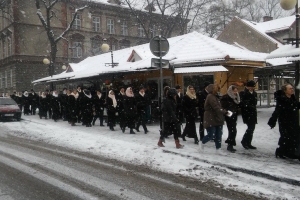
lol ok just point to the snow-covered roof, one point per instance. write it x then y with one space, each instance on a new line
287 50
190 49
271 26
183 70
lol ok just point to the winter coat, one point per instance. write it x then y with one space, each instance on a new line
248 106
43 106
129 104
86 106
179 108
99 103
119 98
34 99
169 110
109 105
55 106
141 102
189 107
201 96
214 113
286 111
72 108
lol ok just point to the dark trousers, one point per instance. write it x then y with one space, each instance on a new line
99 114
201 127
247 138
141 120
111 119
231 126
33 109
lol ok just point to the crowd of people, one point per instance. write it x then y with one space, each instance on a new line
130 110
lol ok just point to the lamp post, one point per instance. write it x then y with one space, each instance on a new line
106 48
46 61
288 5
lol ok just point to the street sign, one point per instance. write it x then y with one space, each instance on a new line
155 62
159 46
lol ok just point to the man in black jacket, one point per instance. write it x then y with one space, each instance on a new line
201 96
249 113
99 104
34 101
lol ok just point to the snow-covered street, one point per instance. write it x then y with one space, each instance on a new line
256 172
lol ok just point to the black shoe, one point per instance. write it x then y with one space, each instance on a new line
196 141
137 129
123 129
112 129
278 154
183 138
131 131
245 145
146 131
101 124
231 149
251 147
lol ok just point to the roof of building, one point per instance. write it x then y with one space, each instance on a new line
271 26
192 49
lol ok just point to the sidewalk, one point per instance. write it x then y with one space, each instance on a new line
256 172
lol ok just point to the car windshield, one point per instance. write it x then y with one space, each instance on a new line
7 101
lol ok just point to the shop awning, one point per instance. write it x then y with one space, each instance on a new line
184 70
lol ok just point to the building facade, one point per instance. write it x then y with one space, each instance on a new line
24 42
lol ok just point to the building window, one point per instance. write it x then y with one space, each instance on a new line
154 31
11 78
4 48
9 45
124 28
141 31
77 21
96 24
5 80
77 49
110 26
96 47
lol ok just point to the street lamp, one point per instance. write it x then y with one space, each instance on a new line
106 48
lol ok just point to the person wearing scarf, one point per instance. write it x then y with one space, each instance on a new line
141 104
129 104
86 108
231 101
189 104
111 104
43 106
26 103
72 107
98 102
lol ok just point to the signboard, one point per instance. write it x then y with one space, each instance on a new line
159 46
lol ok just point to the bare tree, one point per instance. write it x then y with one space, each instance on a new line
50 13
166 15
5 10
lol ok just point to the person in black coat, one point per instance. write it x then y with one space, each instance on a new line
34 101
80 96
179 109
129 104
72 107
43 106
201 96
171 122
49 97
141 104
99 104
231 102
55 106
189 103
63 104
86 108
111 105
26 103
249 113
120 107
286 111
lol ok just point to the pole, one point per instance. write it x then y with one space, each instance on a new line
297 46
161 86
112 58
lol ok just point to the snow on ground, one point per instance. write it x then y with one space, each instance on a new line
256 172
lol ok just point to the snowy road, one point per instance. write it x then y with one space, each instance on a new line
35 170
253 172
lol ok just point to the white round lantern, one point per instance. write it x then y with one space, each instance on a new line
46 61
288 4
105 47
64 67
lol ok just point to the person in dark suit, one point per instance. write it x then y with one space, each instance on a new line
179 109
249 113
141 104
129 104
34 101
120 108
86 108
99 104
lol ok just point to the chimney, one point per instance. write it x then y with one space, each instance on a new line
267 18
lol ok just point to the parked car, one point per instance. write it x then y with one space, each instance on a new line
9 109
